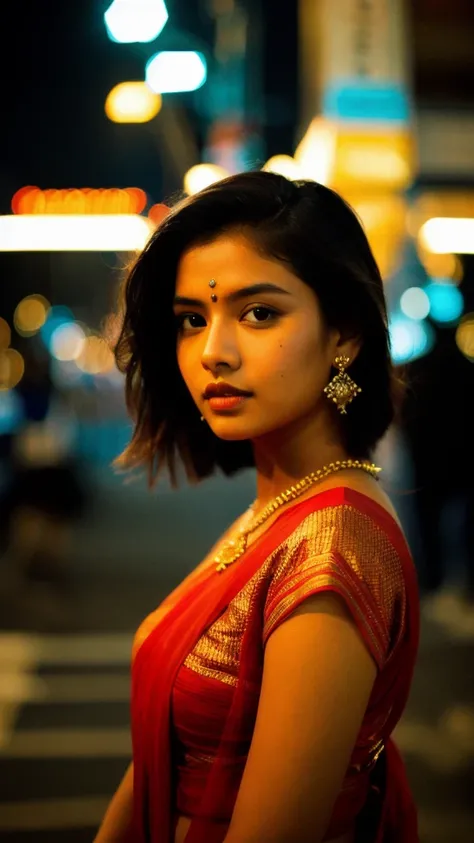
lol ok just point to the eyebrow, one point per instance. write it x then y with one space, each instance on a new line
243 293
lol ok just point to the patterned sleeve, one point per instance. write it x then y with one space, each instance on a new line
341 549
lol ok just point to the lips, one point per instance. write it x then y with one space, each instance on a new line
222 390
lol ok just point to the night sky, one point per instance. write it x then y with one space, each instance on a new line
58 66
61 66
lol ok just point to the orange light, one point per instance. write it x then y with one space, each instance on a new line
12 367
5 333
158 213
132 102
465 336
95 356
30 315
86 200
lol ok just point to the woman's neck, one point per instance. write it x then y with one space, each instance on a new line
286 456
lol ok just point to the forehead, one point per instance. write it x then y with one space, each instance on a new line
231 260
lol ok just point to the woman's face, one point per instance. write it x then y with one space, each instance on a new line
272 343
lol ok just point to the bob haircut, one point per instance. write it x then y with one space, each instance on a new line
316 233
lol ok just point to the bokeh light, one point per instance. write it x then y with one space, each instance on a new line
172 72
441 266
5 334
74 232
132 102
158 212
201 176
11 411
448 235
84 200
58 315
414 303
316 152
31 314
96 357
465 336
12 367
446 301
409 339
285 165
67 341
135 21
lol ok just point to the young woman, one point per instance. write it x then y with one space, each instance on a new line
265 688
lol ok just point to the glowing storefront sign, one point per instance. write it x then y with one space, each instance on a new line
32 200
69 232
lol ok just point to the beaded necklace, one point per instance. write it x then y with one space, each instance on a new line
234 548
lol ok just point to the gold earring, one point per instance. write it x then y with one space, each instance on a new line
342 389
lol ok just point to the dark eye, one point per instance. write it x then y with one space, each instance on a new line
181 318
262 314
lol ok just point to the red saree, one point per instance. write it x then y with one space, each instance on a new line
380 800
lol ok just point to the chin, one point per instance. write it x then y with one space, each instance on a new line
232 429
230 433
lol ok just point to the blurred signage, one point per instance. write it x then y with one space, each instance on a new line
356 53
32 200
351 157
364 62
112 232
384 218
366 100
373 159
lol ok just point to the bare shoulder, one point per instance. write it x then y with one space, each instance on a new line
366 485
375 490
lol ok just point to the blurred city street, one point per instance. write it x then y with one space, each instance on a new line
64 669
114 111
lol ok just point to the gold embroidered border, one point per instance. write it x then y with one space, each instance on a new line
330 580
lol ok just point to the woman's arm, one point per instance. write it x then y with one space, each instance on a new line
116 825
317 679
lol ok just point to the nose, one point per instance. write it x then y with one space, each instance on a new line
220 348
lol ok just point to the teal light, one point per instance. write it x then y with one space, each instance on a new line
11 413
446 301
173 72
135 21
409 339
58 315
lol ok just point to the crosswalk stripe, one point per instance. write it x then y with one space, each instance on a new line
80 812
28 649
67 688
68 743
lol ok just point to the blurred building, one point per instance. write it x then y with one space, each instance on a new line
373 98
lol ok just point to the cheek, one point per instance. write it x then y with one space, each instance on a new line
184 361
297 362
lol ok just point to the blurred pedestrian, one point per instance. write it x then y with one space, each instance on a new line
437 424
43 492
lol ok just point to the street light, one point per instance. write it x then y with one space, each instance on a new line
172 72
132 21
132 102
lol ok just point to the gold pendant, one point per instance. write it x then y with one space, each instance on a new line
230 553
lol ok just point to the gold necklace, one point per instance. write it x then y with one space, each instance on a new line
234 548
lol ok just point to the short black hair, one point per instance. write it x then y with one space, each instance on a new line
319 236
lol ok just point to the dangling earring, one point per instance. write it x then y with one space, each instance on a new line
202 418
342 389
